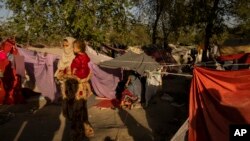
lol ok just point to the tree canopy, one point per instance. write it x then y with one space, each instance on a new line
127 22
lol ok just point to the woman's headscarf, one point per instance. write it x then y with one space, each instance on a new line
67 56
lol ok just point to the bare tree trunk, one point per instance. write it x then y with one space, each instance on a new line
154 34
208 29
158 9
165 36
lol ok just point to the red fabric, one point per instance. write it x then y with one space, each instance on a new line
10 83
9 46
218 99
107 103
80 64
3 55
3 63
128 93
243 58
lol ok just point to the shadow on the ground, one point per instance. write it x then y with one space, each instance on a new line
163 118
29 123
137 131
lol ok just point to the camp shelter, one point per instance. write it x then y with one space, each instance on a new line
132 61
236 52
94 56
40 65
109 73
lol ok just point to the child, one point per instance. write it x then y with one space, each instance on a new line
79 66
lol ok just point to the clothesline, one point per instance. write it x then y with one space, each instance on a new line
164 64
205 64
148 62
179 74
45 53
240 64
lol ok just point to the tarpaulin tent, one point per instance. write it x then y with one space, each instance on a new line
132 61
104 81
217 99
41 63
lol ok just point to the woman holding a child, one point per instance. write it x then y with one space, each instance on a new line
74 74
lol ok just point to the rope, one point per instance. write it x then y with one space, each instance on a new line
174 65
42 52
134 62
187 75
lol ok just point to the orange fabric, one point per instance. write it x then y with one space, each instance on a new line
218 99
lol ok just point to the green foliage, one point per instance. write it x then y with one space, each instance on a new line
189 21
127 22
136 35
93 20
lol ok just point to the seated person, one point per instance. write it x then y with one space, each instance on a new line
133 84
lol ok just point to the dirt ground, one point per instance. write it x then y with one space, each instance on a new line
39 121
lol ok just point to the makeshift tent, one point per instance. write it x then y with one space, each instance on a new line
235 49
105 85
104 81
93 55
40 65
132 61
242 58
218 99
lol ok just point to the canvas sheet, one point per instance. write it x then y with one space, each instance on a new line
218 99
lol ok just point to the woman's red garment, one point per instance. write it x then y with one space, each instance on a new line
10 82
80 65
